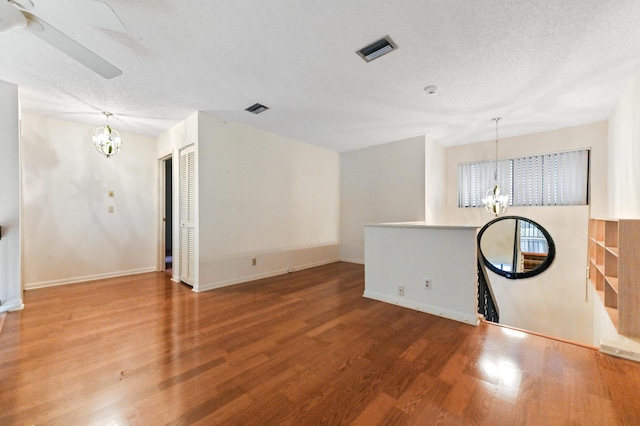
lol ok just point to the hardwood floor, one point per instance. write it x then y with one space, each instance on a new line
303 348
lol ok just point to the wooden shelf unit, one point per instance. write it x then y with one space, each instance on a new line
614 270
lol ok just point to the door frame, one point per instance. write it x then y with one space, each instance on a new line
160 261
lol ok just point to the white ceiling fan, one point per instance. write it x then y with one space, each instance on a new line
17 14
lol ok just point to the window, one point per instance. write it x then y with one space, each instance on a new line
558 179
474 179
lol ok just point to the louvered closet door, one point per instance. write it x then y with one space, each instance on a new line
187 215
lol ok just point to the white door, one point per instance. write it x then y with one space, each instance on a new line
187 215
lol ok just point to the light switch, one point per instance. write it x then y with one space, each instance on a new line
112 209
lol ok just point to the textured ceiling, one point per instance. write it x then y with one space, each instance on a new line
539 64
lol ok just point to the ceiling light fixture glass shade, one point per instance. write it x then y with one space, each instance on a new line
107 140
496 200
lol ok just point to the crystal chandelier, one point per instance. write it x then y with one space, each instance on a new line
107 140
496 199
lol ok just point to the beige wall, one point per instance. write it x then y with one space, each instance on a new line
552 303
68 234
263 196
384 183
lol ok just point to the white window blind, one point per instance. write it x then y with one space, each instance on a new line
558 179
474 179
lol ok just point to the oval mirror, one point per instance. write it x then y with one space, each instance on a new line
516 247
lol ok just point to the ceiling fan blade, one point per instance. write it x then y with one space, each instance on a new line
90 12
10 17
72 48
25 4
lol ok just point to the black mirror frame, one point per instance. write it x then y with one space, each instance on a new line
517 275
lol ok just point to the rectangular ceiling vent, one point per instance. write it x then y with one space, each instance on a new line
377 49
257 108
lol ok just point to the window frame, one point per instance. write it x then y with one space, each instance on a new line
474 179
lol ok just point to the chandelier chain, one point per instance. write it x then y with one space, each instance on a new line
495 169
496 200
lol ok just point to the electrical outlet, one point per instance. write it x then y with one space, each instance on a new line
427 282
112 209
254 262
400 290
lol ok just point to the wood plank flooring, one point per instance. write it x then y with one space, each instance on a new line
301 349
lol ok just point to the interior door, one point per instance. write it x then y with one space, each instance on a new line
167 220
187 215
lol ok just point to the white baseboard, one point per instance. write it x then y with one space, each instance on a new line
611 348
348 260
74 280
11 305
416 306
268 274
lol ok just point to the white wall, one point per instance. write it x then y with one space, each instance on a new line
623 191
434 182
179 136
552 303
624 155
263 196
10 273
405 254
384 183
68 234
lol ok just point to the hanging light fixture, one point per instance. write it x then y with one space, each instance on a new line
496 199
107 140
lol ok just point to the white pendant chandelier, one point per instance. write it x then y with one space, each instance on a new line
107 140
496 199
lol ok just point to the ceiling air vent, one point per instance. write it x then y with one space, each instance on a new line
377 49
257 108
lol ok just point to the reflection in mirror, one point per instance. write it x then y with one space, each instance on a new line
516 247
